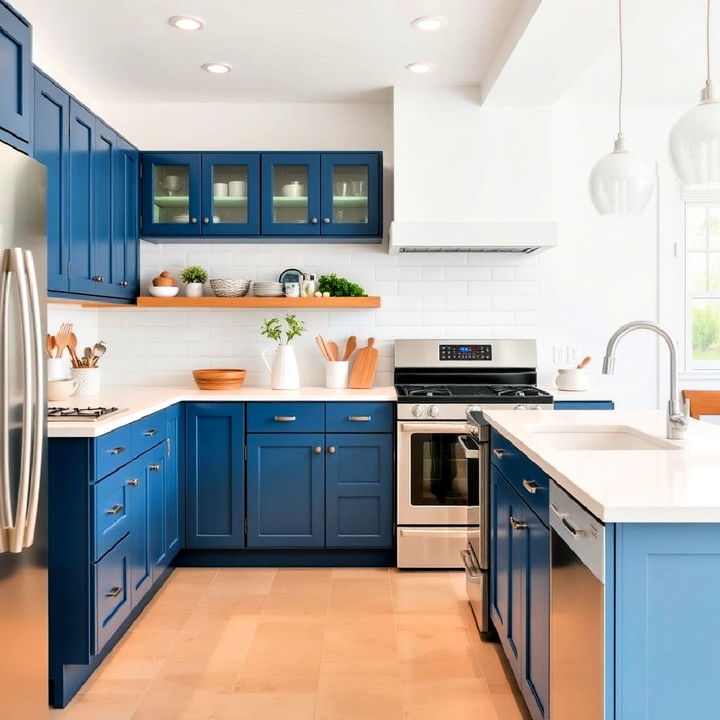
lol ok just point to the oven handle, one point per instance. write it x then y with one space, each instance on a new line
431 532
433 427
471 453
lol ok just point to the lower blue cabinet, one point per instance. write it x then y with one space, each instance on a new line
113 597
215 475
174 447
155 477
359 491
286 490
140 562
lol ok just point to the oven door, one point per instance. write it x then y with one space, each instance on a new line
436 478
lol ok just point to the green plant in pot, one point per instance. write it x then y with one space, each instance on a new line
339 286
194 276
284 374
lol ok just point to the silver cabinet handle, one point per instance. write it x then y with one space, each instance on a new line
97 278
531 486
331 449
498 453
123 283
115 509
360 418
134 482
326 221
119 450
517 524
193 221
206 221
150 433
154 467
314 221
168 448
285 418
113 592
317 449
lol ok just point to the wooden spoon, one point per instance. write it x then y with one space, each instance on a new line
321 344
72 347
324 342
350 346
585 361
50 345
334 350
87 357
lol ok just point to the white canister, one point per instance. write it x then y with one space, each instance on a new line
61 389
237 188
220 189
572 379
58 368
336 374
88 381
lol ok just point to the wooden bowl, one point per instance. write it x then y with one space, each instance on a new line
223 379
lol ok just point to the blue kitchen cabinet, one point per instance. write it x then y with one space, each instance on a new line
125 221
359 490
51 135
215 475
584 405
155 481
174 475
140 558
101 251
286 490
16 79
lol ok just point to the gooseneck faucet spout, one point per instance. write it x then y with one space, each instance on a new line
677 421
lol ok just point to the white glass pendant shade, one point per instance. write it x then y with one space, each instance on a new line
621 183
695 144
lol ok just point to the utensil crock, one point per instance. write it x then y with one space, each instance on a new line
336 374
88 381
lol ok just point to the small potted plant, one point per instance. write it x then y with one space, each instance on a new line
194 276
284 373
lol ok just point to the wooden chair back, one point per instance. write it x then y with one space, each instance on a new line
703 402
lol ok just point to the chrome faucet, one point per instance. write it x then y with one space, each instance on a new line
677 421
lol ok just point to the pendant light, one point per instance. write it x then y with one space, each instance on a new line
621 183
695 138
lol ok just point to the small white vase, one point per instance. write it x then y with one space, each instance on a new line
193 289
284 373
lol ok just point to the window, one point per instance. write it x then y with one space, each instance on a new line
702 285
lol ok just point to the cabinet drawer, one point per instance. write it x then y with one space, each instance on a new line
531 483
113 451
148 432
286 417
359 417
112 592
111 509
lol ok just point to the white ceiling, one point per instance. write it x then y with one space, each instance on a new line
281 50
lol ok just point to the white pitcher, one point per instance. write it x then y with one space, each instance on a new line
284 373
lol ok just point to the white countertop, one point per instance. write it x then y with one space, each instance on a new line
141 401
626 485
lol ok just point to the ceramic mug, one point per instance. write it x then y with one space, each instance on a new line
88 380
61 389
237 188
336 374
292 289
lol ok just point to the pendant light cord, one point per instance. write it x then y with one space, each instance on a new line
620 93
707 42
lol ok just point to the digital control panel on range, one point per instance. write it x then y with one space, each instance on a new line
466 352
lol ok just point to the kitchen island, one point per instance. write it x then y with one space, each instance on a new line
628 634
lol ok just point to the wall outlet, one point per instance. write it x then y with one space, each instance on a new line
560 354
571 355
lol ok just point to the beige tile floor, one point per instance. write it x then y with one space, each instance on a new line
302 644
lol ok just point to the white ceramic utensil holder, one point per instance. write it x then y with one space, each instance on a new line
572 379
58 368
284 373
88 381
193 289
336 374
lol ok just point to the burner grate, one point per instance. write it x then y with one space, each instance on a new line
77 413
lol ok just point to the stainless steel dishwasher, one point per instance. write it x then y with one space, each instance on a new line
577 611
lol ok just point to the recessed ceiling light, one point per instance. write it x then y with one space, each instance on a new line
186 22
429 23
420 67
217 68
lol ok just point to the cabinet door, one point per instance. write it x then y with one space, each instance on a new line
215 481
51 135
351 194
291 194
15 74
286 490
230 193
125 220
170 194
82 145
155 479
536 663
140 561
102 192
499 551
172 480
359 490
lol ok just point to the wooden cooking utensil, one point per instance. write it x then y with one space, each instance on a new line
87 357
321 345
584 362
72 349
325 346
50 345
363 372
334 350
350 346
62 338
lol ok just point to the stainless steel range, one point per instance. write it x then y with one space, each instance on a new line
86 414
443 463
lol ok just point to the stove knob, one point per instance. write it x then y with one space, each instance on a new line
418 410
433 411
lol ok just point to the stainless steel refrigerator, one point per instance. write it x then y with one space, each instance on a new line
23 439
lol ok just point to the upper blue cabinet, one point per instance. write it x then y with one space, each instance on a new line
15 79
283 195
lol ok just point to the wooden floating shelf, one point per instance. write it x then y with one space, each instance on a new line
372 301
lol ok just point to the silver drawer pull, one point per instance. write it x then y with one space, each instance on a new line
134 482
285 418
150 433
498 453
517 524
360 418
154 467
118 450
113 592
531 486
115 509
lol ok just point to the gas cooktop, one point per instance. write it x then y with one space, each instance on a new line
470 392
87 414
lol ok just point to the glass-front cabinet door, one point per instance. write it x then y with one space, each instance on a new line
230 193
291 194
350 194
171 193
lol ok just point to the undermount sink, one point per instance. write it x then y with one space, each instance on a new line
600 437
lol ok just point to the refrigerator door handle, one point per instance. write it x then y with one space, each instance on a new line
6 518
38 360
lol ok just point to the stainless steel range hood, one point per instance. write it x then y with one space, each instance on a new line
489 237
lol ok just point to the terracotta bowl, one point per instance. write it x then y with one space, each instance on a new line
223 379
